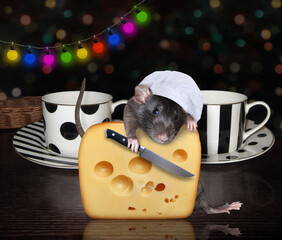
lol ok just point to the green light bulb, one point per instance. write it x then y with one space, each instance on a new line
66 57
142 16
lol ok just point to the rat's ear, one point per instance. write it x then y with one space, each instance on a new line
141 93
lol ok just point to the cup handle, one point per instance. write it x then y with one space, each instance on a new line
250 105
115 104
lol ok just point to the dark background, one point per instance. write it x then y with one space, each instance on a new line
201 38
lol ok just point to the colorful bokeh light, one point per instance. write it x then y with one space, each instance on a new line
206 46
276 3
50 3
61 34
239 19
46 69
197 13
189 30
87 19
25 20
109 69
47 38
266 34
268 46
67 13
241 42
218 68
3 96
259 13
278 68
8 10
215 3
234 67
16 92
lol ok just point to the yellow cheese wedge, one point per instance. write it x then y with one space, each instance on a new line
116 183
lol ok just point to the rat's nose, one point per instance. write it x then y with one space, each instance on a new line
163 137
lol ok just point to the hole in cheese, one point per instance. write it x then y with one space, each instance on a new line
103 169
180 155
148 187
160 187
146 190
122 184
150 184
140 165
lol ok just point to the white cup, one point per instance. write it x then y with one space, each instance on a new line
58 111
222 126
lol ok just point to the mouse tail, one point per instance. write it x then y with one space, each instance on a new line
77 108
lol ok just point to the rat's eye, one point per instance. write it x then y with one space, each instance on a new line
156 111
176 117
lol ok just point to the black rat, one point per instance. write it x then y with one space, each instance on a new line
161 119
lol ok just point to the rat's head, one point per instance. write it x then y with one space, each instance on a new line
159 117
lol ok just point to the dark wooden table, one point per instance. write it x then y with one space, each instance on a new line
39 202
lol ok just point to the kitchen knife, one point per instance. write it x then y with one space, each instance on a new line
150 156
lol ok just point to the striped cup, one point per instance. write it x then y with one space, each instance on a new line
223 121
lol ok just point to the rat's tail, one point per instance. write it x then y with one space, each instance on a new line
77 108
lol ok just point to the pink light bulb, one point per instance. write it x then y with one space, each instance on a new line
128 27
48 59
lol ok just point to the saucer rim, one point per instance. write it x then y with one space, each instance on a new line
47 151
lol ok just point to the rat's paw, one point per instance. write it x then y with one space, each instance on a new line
235 206
191 125
225 208
133 144
232 206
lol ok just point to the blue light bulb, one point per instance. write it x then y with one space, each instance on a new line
29 58
114 39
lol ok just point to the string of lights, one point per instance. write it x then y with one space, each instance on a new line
48 57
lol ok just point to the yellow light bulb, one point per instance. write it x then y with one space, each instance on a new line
12 55
82 53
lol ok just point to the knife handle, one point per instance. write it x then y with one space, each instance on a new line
116 136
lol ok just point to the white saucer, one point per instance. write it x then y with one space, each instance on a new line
29 142
257 144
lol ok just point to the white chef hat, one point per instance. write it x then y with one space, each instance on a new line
178 87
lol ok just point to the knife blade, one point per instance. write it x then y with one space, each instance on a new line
150 156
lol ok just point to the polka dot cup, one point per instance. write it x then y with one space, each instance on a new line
58 110
222 126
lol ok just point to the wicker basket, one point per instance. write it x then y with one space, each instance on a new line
18 112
